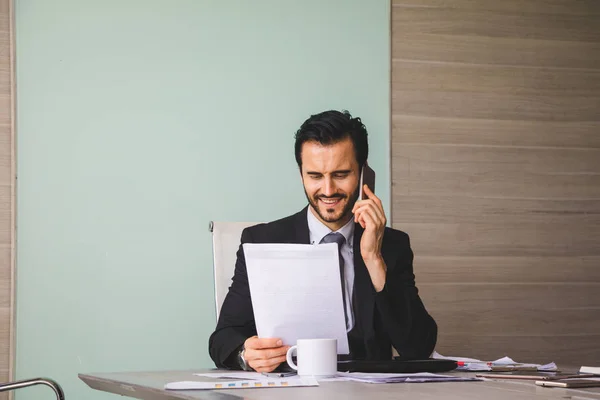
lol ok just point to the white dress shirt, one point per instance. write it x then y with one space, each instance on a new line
317 231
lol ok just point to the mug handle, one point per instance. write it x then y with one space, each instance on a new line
288 357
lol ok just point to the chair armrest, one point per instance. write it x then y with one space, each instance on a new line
32 382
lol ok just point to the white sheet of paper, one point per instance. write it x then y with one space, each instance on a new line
296 292
242 384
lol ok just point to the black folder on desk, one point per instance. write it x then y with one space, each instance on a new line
397 366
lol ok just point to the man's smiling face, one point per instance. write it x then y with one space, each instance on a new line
330 175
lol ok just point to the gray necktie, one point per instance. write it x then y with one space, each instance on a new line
336 237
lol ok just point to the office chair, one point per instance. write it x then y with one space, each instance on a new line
32 382
226 241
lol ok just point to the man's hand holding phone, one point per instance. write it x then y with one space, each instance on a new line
264 354
368 212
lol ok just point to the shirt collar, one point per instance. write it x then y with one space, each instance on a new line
318 230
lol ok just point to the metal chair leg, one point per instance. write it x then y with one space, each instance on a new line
32 382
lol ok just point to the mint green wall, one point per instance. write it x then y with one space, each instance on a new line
138 122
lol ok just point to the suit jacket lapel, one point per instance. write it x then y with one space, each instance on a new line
301 227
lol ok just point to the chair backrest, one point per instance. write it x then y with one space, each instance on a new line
226 241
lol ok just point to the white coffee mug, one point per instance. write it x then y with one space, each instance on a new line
315 357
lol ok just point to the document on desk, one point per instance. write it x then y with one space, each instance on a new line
243 383
296 292
420 377
504 364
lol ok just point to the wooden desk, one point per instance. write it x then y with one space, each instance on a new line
149 386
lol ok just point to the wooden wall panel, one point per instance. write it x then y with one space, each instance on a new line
560 7
6 194
492 105
496 172
410 129
469 21
499 239
424 76
506 270
496 50
508 172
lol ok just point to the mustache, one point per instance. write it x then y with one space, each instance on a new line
335 196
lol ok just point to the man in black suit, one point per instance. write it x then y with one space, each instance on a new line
382 305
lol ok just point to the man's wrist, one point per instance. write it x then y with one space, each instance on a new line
377 270
374 258
242 360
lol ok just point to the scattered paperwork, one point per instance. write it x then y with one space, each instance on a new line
341 376
499 365
420 377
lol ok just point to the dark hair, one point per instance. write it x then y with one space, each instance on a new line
330 127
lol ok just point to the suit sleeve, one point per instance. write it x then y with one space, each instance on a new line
412 331
236 320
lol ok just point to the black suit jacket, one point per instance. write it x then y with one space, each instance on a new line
393 317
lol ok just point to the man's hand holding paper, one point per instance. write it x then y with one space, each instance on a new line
264 354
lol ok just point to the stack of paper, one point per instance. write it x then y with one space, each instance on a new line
571 383
401 378
241 380
590 370
501 364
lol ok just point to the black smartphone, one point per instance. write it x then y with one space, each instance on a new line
367 177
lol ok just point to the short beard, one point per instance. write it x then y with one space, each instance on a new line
314 202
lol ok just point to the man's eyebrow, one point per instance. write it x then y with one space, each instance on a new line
339 171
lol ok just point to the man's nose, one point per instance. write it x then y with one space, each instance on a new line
330 188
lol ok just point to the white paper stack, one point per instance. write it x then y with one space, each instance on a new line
401 378
589 370
504 363
241 380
